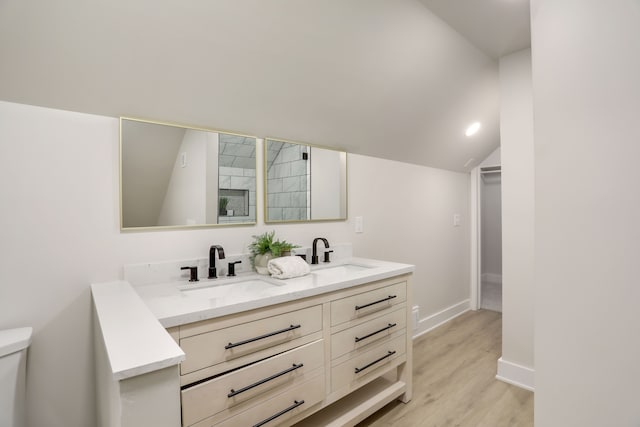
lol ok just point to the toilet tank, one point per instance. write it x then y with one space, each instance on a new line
13 366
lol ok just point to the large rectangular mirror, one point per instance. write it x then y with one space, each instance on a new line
175 176
304 182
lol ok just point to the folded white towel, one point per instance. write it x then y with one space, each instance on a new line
288 267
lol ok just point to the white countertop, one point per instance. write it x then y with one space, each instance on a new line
132 320
134 340
172 306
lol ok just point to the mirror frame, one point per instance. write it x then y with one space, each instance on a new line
265 179
181 227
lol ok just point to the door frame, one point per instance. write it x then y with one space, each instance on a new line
476 239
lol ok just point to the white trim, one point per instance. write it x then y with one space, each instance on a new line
515 374
428 323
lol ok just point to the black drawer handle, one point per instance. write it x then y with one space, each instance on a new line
296 403
358 307
389 354
281 331
391 325
265 380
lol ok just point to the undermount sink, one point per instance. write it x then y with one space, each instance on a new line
340 270
236 289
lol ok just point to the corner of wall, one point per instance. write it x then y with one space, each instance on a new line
515 374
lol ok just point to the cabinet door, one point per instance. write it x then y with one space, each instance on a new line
361 305
230 343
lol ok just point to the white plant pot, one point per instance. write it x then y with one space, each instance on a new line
261 262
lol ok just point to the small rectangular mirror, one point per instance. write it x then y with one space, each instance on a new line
174 176
304 182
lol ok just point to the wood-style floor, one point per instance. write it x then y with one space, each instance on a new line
454 380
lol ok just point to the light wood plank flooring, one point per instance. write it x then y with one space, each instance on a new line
454 380
491 296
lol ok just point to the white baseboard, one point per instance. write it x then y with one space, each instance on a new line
515 374
492 278
437 319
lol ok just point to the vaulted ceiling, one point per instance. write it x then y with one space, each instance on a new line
386 78
497 27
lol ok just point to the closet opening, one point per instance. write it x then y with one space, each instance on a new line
490 262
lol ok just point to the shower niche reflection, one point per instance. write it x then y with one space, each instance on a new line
233 202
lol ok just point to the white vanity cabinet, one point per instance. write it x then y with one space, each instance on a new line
296 362
326 349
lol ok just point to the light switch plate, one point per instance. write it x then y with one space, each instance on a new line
456 220
359 224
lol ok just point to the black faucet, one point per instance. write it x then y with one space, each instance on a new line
232 268
193 273
314 257
212 259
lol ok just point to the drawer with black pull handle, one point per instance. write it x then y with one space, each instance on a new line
365 366
365 334
230 343
277 409
361 305
239 390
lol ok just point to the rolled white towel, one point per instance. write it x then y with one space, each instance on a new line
288 267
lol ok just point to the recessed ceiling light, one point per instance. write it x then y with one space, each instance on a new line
473 129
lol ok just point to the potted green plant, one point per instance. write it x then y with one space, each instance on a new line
282 248
265 247
222 205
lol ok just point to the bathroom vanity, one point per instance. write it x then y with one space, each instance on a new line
329 348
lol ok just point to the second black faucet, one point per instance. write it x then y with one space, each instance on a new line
314 256
212 259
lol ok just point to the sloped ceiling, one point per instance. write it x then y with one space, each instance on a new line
497 27
385 78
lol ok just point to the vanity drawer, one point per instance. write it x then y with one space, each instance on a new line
367 365
360 305
279 408
230 343
252 384
371 332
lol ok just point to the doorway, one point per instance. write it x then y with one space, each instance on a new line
490 236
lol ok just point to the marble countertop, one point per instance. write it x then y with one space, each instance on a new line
175 305
132 319
134 340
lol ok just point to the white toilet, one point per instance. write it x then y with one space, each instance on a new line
13 365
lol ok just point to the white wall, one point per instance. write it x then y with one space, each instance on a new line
326 184
586 78
60 232
149 153
212 178
408 213
185 201
516 130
